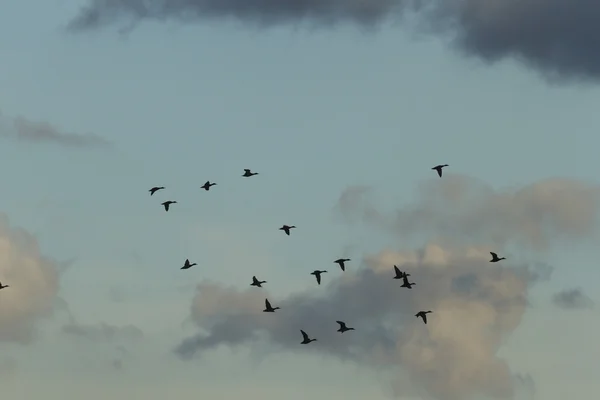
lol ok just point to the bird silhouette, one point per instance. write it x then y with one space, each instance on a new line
423 314
248 173
341 261
207 185
256 282
317 275
343 327
406 283
166 204
187 264
3 287
286 229
438 168
495 257
268 307
399 274
155 189
306 339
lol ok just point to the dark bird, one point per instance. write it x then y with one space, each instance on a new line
317 275
155 189
343 327
286 229
3 287
187 264
438 168
256 282
268 307
306 339
248 173
166 204
422 314
341 262
399 274
495 257
406 283
207 185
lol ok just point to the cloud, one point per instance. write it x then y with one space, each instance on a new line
572 299
23 129
103 332
476 304
556 37
33 282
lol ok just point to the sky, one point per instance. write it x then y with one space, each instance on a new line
343 108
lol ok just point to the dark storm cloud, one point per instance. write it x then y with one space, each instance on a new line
557 37
572 299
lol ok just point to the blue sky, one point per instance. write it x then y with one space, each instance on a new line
314 112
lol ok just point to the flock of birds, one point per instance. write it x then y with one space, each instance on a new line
400 275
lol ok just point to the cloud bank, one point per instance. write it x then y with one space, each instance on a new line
572 299
556 37
476 304
33 284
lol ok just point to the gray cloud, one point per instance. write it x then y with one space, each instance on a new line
557 37
572 299
103 332
23 129
33 282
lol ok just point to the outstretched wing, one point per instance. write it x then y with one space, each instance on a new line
246 170
254 280
398 273
304 335
342 324
267 304
439 171
318 276
493 254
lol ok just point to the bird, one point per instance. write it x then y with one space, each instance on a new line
187 265
207 185
155 189
166 204
399 274
423 314
317 275
268 307
306 339
341 262
343 327
256 282
248 173
3 287
286 229
495 257
438 168
406 283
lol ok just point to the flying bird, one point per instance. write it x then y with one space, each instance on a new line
343 327
248 173
438 168
317 275
399 274
166 204
423 314
3 287
306 339
187 264
340 262
268 307
406 283
155 189
495 257
286 229
256 282
207 185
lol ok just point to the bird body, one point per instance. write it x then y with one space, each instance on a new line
423 315
187 264
3 287
268 307
317 275
438 168
287 228
248 173
305 338
166 204
343 327
399 274
495 257
155 189
256 282
341 261
207 185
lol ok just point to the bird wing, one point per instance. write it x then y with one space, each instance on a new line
267 304
405 278
318 278
398 273
246 170
304 335
341 323
424 317
439 171
493 254
254 280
